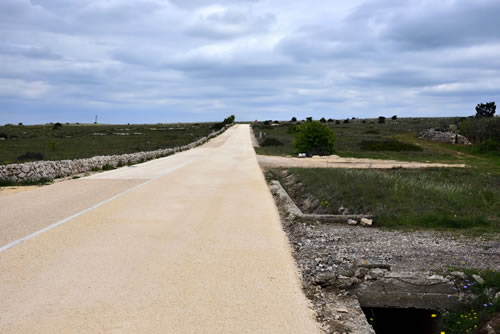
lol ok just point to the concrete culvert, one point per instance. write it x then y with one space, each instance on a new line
403 320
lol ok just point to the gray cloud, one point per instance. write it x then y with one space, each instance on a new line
193 59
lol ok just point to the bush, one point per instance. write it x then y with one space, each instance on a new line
56 126
294 119
330 120
489 146
481 129
381 119
322 120
108 167
309 119
3 135
346 121
30 156
387 145
315 138
337 122
270 141
6 183
395 117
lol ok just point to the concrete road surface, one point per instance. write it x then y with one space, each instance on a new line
190 243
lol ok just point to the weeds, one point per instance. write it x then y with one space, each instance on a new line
445 199
470 317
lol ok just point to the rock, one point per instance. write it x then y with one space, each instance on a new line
352 222
361 272
344 282
343 211
341 310
478 279
366 222
444 137
458 274
375 273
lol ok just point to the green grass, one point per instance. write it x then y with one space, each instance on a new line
82 141
388 145
469 317
394 140
441 199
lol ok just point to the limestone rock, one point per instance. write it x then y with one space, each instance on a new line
366 222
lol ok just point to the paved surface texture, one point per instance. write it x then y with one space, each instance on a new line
196 247
334 161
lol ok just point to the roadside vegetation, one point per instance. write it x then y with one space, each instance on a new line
20 143
473 316
441 199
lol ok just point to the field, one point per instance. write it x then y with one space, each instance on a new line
444 199
72 141
356 139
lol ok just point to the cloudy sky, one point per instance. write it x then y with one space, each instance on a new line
194 60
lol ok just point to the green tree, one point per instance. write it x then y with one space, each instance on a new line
485 109
315 138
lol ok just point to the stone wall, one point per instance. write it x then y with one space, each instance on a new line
33 171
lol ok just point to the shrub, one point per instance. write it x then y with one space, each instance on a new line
481 129
330 120
292 129
485 109
346 121
381 119
3 135
56 126
6 183
337 122
322 120
309 119
387 145
294 119
108 167
371 132
315 138
489 146
395 117
270 141
30 156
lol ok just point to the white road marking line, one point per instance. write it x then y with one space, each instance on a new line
65 220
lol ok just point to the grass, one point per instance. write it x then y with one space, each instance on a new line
9 183
441 199
469 317
72 141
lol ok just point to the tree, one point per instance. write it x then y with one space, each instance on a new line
314 138
381 119
486 109
395 117
294 119
330 120
309 119
229 120
322 120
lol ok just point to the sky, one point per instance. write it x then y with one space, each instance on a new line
150 61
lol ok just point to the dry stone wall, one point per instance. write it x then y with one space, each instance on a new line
33 171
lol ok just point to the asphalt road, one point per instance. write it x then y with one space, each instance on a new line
191 243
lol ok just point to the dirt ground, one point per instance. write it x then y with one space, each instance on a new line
334 161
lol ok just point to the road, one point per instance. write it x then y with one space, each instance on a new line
191 243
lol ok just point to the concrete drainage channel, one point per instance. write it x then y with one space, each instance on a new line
353 285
